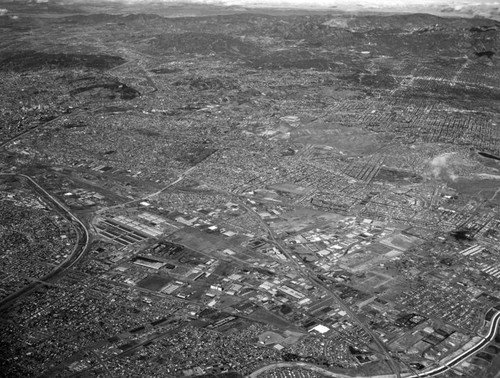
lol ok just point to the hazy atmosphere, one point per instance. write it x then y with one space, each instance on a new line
466 8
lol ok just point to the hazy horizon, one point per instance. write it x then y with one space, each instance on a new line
316 3
468 8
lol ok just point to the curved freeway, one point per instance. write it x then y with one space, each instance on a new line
81 247
495 321
303 365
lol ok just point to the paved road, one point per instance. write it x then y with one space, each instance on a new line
308 273
395 368
81 247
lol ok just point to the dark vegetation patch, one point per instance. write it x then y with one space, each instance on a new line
482 29
448 261
204 44
394 175
195 155
488 54
285 309
485 356
35 60
489 156
147 132
162 71
462 235
109 89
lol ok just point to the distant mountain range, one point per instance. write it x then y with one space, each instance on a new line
173 8
467 8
